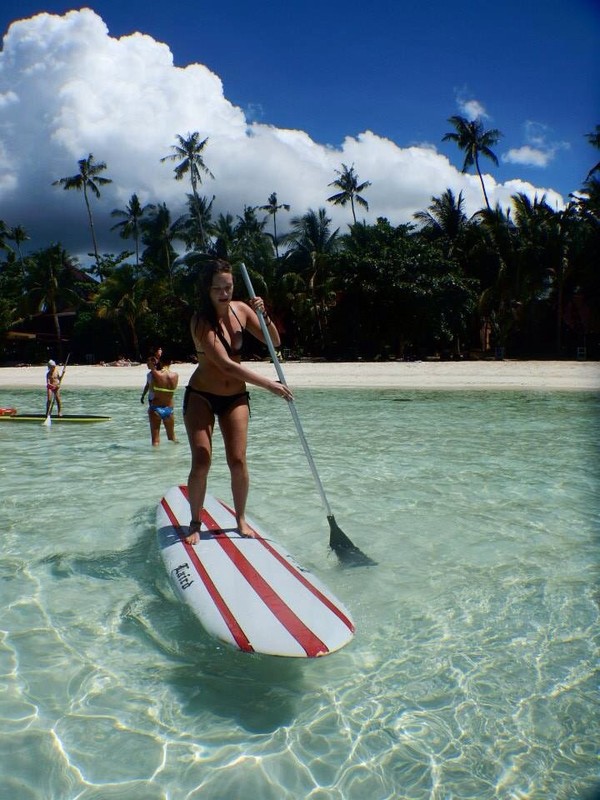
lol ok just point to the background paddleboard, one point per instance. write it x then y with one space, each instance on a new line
64 418
247 592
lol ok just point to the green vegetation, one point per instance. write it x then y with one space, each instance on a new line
525 279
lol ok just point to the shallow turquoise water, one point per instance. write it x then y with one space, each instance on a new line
473 673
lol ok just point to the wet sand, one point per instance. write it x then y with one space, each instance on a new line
475 375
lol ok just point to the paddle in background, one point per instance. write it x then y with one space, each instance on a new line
344 548
48 421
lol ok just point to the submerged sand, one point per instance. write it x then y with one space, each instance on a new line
476 375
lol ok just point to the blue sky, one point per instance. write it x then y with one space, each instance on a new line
334 70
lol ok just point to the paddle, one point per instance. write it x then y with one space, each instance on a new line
338 541
48 421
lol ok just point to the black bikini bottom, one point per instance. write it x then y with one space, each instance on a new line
218 403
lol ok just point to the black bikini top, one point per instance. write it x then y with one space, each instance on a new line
232 352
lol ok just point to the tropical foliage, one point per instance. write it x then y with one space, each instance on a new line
523 279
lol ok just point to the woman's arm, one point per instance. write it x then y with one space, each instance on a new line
215 352
253 323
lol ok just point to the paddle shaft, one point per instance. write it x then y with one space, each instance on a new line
281 376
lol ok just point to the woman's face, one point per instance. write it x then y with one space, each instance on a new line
221 289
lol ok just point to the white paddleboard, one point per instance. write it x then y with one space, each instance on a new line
248 592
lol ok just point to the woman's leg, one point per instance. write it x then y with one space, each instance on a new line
169 423
234 427
154 421
199 422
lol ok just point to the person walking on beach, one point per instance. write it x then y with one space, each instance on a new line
53 380
217 388
163 383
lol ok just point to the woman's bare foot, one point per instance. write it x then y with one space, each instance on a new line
193 536
244 529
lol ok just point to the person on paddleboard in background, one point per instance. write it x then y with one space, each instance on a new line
217 388
163 383
53 380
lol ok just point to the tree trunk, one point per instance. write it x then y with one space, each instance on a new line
559 307
57 331
487 202
275 235
95 244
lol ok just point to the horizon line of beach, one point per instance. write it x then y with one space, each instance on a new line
505 374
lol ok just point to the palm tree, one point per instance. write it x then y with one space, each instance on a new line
87 179
124 298
586 251
474 141
445 219
224 233
588 199
536 251
311 235
189 154
158 234
196 226
249 230
18 235
312 245
131 216
548 241
272 208
594 140
350 189
4 234
252 245
50 285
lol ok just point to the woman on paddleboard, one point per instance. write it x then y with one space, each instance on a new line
217 388
53 380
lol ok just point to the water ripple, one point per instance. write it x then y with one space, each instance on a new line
474 670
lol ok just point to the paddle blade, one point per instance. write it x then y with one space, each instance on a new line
48 421
347 552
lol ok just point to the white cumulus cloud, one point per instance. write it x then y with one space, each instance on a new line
538 150
68 89
529 156
472 109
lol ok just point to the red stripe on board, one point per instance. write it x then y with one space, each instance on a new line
309 641
297 574
236 631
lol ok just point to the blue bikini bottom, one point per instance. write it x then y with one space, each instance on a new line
164 412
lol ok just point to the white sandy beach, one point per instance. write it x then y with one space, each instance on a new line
507 374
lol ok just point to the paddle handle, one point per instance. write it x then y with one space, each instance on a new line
281 376
64 369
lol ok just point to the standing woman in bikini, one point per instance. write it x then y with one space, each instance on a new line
217 388
162 385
